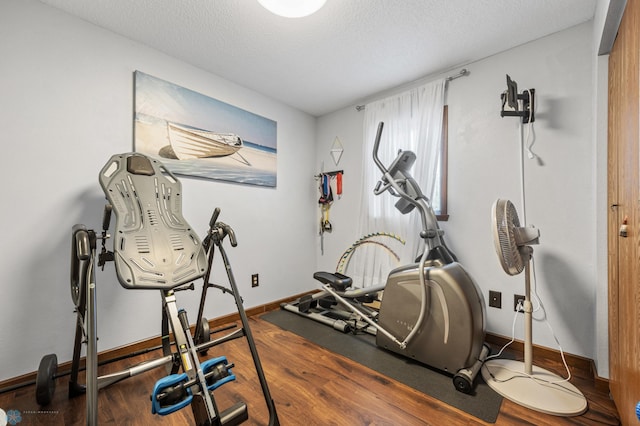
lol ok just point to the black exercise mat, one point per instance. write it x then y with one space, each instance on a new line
483 403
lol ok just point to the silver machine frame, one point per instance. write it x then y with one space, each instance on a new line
447 331
156 249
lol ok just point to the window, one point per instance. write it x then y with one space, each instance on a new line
414 120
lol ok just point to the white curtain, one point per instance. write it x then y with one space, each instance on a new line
413 122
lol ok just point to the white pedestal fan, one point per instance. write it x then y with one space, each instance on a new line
522 382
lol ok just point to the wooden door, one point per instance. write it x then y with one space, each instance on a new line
624 202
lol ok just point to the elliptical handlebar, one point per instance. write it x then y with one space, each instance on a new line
387 181
395 183
396 177
376 145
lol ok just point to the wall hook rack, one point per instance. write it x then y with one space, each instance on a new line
333 173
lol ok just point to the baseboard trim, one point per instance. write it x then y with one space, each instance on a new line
574 361
141 346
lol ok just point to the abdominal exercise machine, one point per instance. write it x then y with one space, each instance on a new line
155 249
431 311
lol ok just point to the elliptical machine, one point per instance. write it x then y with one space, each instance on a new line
431 311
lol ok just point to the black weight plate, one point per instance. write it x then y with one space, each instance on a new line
204 334
46 379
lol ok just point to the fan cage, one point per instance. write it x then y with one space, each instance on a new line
505 223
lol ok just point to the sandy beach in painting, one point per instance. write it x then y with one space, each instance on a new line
250 165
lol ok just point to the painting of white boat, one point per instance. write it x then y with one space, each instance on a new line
199 136
189 142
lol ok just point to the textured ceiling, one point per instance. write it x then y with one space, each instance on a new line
349 50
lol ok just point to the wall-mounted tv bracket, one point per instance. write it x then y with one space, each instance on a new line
512 99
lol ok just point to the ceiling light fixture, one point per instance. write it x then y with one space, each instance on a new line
292 8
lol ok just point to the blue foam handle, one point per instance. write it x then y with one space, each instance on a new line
164 383
210 364
638 410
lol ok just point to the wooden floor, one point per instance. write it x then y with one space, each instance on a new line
310 386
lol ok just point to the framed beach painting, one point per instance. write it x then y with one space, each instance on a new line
196 135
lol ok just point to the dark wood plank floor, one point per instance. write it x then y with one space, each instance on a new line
310 386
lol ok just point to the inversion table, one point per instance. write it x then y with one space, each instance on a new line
156 249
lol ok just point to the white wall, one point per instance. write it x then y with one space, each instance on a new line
346 125
484 166
66 106
559 187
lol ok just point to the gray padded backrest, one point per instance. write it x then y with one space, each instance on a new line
154 246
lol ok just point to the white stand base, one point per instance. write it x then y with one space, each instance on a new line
507 377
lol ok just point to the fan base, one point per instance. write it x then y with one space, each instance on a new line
507 377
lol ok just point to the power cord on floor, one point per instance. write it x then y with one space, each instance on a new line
539 307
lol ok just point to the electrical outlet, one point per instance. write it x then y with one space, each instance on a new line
254 280
495 299
518 298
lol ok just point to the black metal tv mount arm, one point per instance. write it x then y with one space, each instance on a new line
511 97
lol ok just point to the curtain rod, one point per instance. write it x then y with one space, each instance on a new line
463 72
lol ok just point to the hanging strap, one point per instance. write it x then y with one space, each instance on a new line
326 194
325 223
326 198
